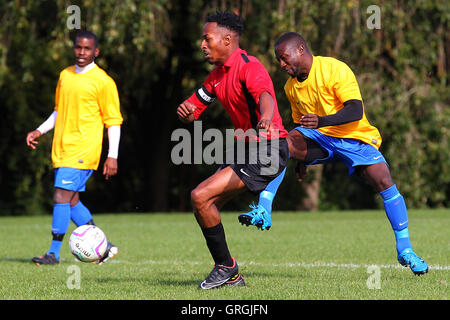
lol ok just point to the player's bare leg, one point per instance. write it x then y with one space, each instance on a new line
64 196
378 176
297 145
213 192
210 195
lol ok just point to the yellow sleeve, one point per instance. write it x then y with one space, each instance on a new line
344 83
57 93
110 104
296 114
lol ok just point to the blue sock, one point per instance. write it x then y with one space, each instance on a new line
79 214
402 240
267 195
396 212
55 248
60 223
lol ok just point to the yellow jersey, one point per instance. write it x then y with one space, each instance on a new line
330 83
86 103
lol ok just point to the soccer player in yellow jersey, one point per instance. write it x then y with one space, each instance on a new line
331 126
86 101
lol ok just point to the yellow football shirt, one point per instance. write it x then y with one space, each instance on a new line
86 103
330 83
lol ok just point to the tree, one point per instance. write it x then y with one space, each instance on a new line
151 49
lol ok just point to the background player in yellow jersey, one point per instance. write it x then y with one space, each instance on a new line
86 101
329 111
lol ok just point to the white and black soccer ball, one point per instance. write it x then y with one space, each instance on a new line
88 243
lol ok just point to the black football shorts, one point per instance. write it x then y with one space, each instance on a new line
258 163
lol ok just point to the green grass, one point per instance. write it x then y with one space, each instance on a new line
321 255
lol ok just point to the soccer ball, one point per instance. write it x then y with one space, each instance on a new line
88 243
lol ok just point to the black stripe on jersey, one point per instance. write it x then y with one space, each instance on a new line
251 103
246 59
204 95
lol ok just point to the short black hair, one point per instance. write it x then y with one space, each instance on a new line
228 20
86 34
291 37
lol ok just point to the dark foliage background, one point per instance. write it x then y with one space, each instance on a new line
151 49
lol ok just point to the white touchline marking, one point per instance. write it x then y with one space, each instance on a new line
282 264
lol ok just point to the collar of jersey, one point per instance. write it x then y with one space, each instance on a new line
232 58
305 82
80 70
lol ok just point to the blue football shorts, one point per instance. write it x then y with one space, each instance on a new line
72 179
350 151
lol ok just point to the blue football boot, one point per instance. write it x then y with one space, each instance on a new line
258 217
409 258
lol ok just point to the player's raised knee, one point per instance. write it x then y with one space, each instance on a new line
297 145
198 198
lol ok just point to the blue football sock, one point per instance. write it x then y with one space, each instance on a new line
396 212
55 248
60 223
79 214
267 195
402 240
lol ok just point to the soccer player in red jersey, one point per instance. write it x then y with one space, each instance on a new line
244 88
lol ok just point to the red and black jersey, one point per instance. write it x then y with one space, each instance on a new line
238 85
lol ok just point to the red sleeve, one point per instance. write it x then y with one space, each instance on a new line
204 96
257 79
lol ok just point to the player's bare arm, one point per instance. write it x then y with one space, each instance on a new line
185 112
31 138
46 126
110 168
309 121
266 107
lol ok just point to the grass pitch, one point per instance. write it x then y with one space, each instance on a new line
304 256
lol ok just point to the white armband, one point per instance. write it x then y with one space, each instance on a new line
48 124
114 139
